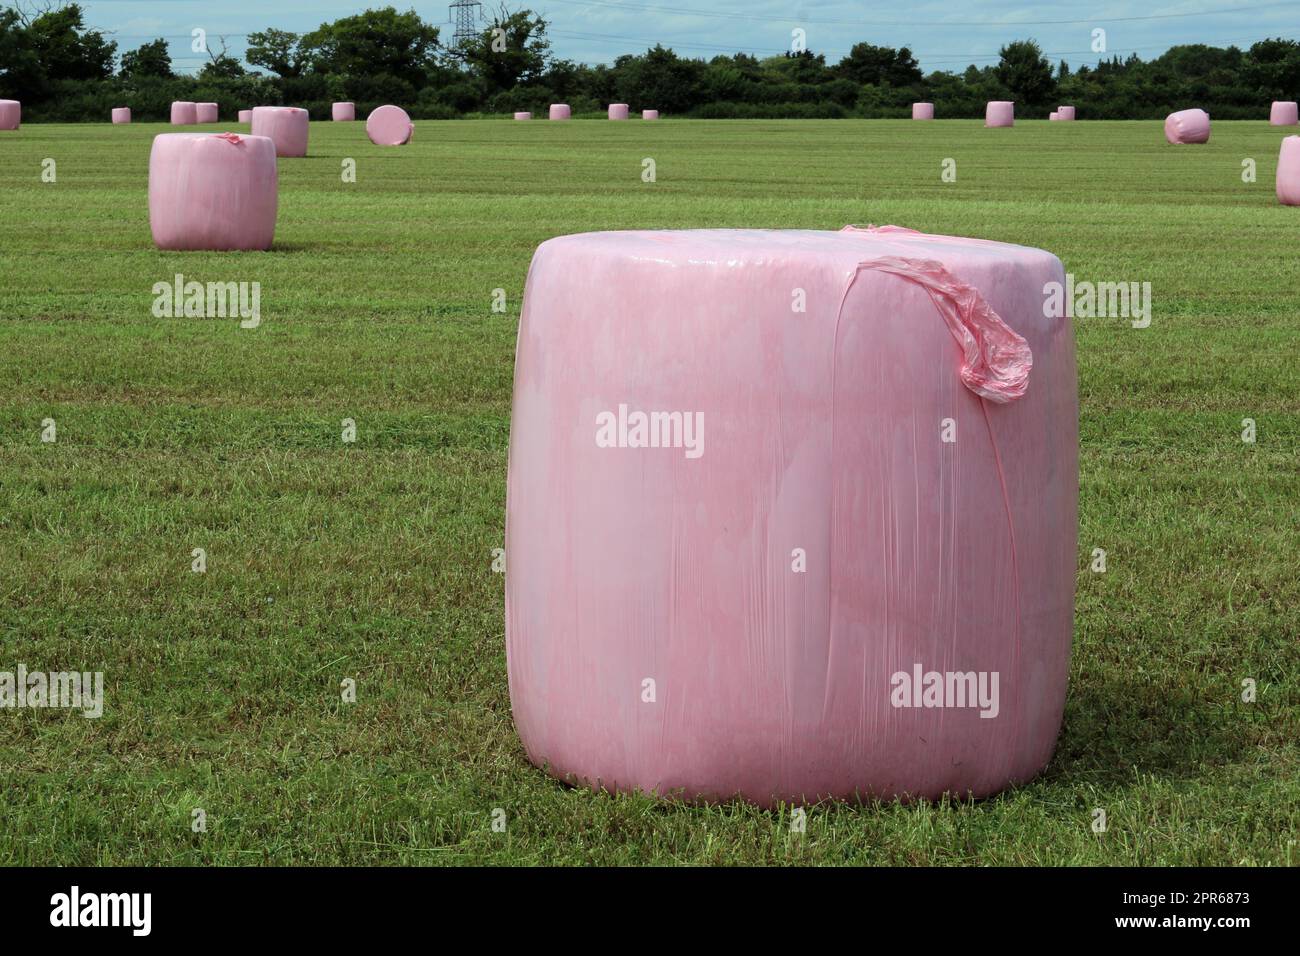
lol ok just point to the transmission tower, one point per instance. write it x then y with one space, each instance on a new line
465 14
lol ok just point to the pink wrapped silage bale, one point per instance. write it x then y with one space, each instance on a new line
389 126
343 112
1284 114
245 116
207 112
286 126
212 191
184 113
523 116
1288 172
11 114
1054 116
738 540
560 111
1000 113
1188 126
121 114
1065 113
922 111
649 114
618 111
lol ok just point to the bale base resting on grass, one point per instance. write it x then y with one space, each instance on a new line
389 126
789 513
1284 114
212 191
1065 113
1288 172
343 112
618 111
1188 126
286 126
523 116
1000 113
560 111
245 116
184 113
922 111
649 114
11 114
207 112
121 114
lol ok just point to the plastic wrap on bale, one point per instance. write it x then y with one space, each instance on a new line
1065 113
184 113
560 111
389 126
343 112
1283 113
245 116
286 126
121 114
523 116
212 191
1288 172
649 114
1188 126
763 483
618 111
922 111
1000 113
207 112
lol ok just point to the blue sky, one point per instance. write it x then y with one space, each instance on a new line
943 34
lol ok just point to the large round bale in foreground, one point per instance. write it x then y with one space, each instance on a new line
212 191
649 114
560 111
1284 114
922 111
343 112
286 126
121 114
389 126
207 112
1188 126
11 114
184 113
523 116
1288 172
245 116
618 111
1000 113
791 552
1065 113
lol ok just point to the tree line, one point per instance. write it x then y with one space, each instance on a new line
63 71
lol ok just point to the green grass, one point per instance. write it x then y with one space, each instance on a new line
373 560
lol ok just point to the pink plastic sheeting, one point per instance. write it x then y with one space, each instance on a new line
1065 113
922 111
343 112
389 126
184 113
207 112
1054 116
212 191
1288 172
1000 113
11 114
1188 126
286 126
741 612
1284 114
649 114
560 111
245 116
618 111
523 116
121 114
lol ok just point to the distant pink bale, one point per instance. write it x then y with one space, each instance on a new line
1188 126
1288 172
1284 114
922 111
389 126
11 114
121 114
649 114
245 116
523 116
207 112
286 126
184 113
1000 113
343 112
212 191
618 111
1065 113
1054 116
560 111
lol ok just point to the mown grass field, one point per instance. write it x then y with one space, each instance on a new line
372 560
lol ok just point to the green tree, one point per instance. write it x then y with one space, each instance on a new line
66 49
149 59
512 51
375 43
276 50
1026 73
